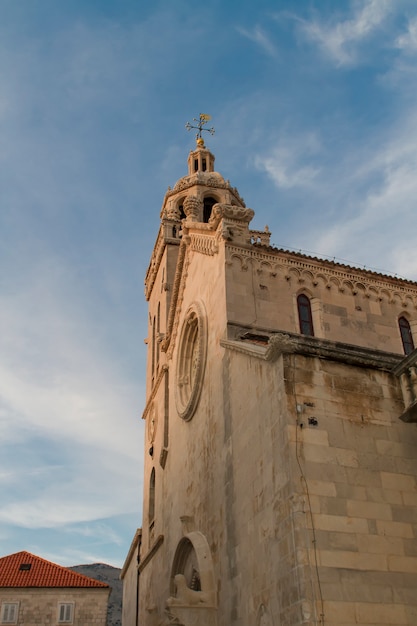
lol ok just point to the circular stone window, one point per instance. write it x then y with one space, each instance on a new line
191 360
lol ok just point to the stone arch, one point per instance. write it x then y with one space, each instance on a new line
180 207
407 328
193 561
209 200
307 275
333 280
316 308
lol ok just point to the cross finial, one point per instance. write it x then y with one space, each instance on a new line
201 121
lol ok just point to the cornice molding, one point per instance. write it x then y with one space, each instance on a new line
313 273
280 343
201 179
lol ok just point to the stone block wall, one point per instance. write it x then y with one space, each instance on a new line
357 464
39 607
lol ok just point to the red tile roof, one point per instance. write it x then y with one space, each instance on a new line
41 573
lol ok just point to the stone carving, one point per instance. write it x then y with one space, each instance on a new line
193 208
185 595
193 590
216 182
204 244
172 212
406 370
279 344
232 212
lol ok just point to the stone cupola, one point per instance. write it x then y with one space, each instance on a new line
200 159
200 190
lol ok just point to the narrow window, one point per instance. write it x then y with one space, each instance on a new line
304 315
406 336
153 345
195 165
9 611
152 496
204 165
65 613
207 207
158 332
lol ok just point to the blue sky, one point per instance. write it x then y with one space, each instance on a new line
314 105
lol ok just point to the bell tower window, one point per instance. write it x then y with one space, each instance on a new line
406 336
207 207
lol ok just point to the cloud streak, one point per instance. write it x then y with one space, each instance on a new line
258 36
339 40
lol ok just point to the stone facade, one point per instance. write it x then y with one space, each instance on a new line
130 578
39 607
281 464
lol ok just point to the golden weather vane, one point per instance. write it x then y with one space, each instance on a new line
201 121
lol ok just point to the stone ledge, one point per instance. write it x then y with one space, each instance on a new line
268 345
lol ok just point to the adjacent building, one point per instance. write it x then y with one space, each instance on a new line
281 441
34 591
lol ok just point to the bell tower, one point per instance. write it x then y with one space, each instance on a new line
280 462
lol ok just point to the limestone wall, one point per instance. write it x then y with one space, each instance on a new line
347 305
39 607
357 464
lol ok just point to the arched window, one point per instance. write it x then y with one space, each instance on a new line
304 315
207 207
152 496
181 209
406 336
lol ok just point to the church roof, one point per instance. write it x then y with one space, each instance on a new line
24 569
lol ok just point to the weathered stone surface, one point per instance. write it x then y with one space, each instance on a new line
295 466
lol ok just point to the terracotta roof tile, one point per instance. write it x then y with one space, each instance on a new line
24 569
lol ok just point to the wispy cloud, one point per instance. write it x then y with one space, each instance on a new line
258 36
408 41
339 40
288 164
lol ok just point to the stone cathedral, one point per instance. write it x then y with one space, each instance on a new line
281 443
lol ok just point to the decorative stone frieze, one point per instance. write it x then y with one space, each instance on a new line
201 179
204 244
315 273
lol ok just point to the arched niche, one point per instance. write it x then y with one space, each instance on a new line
193 561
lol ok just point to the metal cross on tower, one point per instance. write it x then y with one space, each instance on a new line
201 121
